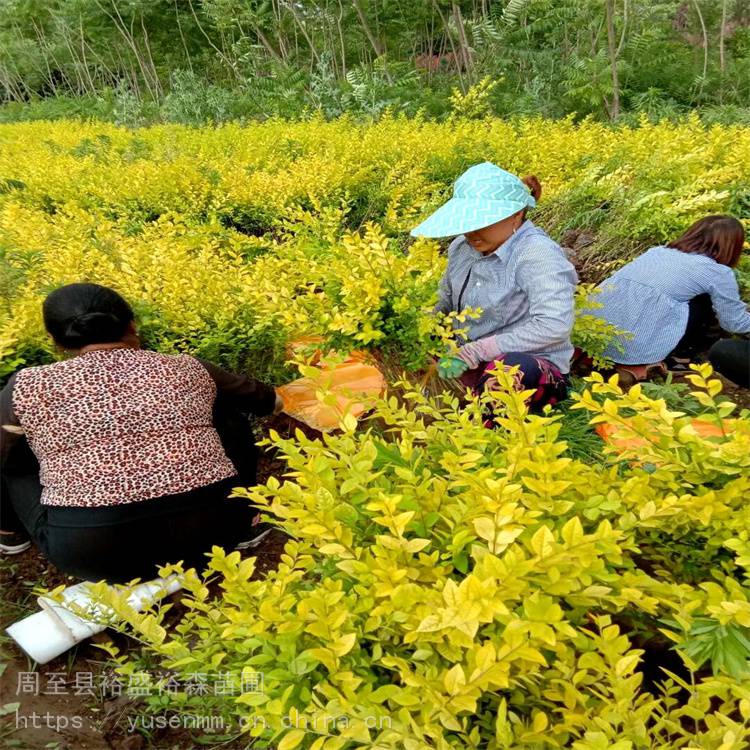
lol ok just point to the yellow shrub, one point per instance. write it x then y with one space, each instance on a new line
236 237
450 586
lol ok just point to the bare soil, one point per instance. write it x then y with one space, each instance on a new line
63 705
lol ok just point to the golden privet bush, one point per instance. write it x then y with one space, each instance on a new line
450 586
229 240
446 586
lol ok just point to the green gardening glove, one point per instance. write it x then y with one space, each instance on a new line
451 367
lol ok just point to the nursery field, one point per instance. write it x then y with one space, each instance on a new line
444 585
231 240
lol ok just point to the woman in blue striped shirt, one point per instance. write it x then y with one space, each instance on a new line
519 277
667 298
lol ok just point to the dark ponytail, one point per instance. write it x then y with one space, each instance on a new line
535 188
532 183
78 315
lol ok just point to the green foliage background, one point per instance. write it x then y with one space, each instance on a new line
197 60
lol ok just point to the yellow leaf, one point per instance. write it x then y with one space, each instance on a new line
626 664
324 656
344 644
543 542
485 528
416 545
349 423
454 680
572 532
291 740
334 549
539 724
313 529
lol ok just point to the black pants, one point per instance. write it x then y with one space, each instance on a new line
731 358
701 331
120 542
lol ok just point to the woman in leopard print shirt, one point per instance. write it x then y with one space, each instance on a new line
119 459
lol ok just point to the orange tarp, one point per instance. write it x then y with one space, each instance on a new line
352 383
606 431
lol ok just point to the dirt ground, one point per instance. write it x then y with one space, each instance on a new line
67 704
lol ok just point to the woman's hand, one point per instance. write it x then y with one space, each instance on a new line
474 353
451 367
469 357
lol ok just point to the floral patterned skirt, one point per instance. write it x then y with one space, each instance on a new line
549 384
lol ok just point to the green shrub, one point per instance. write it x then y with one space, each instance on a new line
452 586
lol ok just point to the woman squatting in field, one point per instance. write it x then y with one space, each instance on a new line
671 297
118 459
519 277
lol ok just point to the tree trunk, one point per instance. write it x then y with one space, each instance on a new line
456 56
230 65
339 21
462 40
152 64
704 31
374 41
303 30
182 37
129 39
266 42
722 36
279 30
624 27
614 110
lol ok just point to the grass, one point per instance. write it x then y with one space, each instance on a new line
583 443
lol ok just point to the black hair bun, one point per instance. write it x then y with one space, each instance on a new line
96 327
77 315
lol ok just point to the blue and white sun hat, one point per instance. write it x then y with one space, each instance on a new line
482 195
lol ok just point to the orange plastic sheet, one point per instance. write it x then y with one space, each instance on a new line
608 432
348 387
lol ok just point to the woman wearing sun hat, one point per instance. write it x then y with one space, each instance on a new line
519 277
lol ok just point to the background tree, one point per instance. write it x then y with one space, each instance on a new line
600 58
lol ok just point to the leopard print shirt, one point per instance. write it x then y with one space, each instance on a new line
118 426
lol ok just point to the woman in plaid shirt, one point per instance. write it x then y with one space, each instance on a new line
669 297
521 280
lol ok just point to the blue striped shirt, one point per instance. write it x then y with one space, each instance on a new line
525 290
649 297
